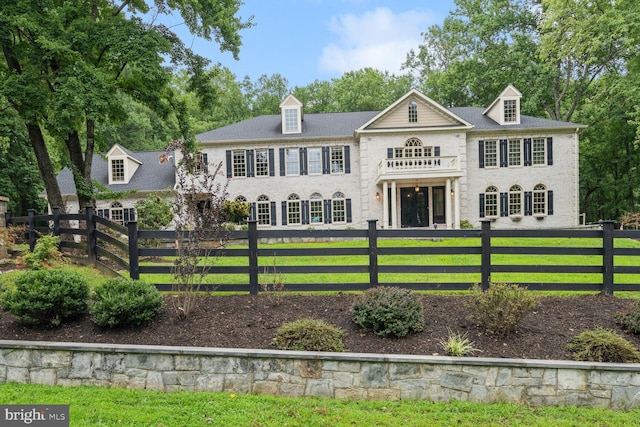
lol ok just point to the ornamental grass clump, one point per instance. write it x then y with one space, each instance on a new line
389 311
309 335
501 308
121 302
46 297
457 344
602 345
630 319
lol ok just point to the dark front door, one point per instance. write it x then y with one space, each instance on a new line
438 205
414 207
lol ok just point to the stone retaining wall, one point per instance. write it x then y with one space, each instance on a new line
334 375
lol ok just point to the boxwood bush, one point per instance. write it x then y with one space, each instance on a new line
602 345
629 319
309 335
389 311
121 302
46 297
501 308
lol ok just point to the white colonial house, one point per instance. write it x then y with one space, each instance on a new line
415 164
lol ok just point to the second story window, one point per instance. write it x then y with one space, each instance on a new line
202 159
538 151
413 112
490 154
292 162
262 162
337 160
239 163
515 152
314 159
117 170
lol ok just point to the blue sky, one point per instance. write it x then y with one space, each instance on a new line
305 40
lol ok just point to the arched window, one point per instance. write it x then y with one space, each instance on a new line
294 214
413 148
491 202
413 112
315 209
117 213
338 208
263 208
241 199
540 200
515 200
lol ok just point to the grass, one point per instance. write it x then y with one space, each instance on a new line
436 259
91 406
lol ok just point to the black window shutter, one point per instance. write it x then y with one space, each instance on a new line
272 212
282 162
326 161
250 164
347 159
348 206
305 211
205 158
284 212
389 153
132 214
229 165
549 151
481 205
125 216
106 213
481 157
327 211
252 211
100 213
504 159
549 202
272 169
303 161
504 204
528 203
436 151
527 152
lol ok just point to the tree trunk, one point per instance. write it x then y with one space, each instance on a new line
54 195
81 174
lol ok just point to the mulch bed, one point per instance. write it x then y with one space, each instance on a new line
244 321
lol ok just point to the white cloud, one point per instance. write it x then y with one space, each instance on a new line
378 39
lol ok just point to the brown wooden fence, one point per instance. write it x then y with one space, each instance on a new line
102 240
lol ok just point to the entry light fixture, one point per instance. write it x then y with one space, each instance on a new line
377 196
417 188
452 193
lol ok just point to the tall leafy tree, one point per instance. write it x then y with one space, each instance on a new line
65 64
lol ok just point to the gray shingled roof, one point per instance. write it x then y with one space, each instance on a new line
344 125
150 176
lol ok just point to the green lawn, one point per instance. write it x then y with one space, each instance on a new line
90 406
267 263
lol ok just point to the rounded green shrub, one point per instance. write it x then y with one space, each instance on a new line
501 308
389 311
602 345
121 302
630 319
46 297
309 335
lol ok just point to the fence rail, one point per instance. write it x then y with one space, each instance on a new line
100 239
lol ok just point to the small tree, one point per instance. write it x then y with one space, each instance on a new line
154 213
198 220
236 212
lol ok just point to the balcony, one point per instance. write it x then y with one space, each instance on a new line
419 167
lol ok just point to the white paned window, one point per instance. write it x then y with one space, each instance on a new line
540 200
117 213
515 201
515 152
292 162
316 214
338 208
510 111
314 159
337 160
491 202
262 162
538 151
413 112
490 154
263 208
294 216
117 170
291 120
239 163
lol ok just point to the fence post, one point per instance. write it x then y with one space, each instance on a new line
253 258
373 253
56 221
607 257
32 229
7 219
134 262
92 250
485 267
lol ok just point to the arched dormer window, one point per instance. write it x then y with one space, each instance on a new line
413 112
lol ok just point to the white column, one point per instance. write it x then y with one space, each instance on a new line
447 206
456 203
385 204
394 205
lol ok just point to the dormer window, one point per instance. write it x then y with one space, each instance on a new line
413 112
510 111
117 170
290 120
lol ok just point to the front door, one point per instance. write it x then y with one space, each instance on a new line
414 207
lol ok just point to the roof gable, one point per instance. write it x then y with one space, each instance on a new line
414 110
496 111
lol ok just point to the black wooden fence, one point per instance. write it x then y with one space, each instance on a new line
102 240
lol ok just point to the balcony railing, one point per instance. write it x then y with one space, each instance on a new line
418 167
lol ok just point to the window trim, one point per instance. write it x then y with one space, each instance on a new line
314 162
294 209
262 201
491 192
510 114
261 166
412 110
540 189
316 200
542 154
519 142
491 154
289 162
336 199
291 117
516 199
112 170
339 160
237 166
